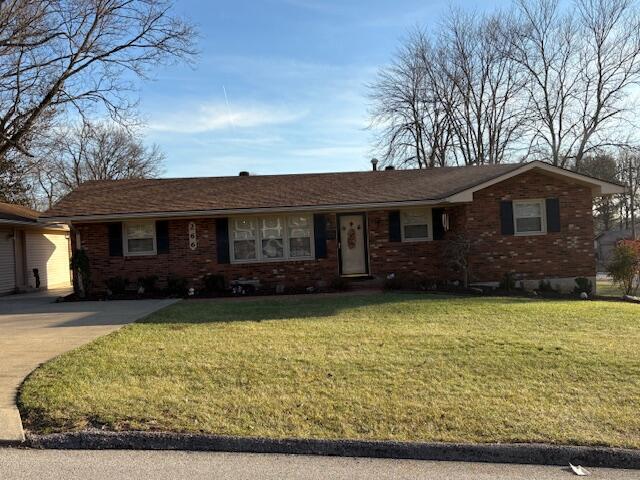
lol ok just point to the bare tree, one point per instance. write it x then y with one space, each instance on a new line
547 81
58 56
13 185
449 100
92 151
485 107
629 175
605 167
406 112
580 63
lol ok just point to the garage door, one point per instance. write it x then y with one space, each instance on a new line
49 253
7 262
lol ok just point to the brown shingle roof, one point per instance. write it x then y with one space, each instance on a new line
17 213
117 197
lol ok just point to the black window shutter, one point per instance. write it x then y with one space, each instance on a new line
162 236
320 235
222 239
553 214
506 217
438 226
115 239
395 235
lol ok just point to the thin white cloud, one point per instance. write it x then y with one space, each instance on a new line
210 117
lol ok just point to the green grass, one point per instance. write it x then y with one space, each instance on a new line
386 366
606 288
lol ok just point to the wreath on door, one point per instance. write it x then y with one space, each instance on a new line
351 237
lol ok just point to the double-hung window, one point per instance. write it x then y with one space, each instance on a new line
139 238
271 238
245 235
529 217
300 233
416 225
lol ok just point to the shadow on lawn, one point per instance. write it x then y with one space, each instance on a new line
302 306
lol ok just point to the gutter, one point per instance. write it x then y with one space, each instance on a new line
248 211
37 224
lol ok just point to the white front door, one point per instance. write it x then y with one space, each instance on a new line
353 252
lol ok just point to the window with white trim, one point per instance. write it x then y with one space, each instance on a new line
529 217
271 238
416 225
300 229
244 237
139 238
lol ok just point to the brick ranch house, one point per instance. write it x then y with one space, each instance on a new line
296 231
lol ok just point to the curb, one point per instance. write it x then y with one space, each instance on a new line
531 453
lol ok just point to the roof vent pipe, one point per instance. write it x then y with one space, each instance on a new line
243 173
389 167
374 164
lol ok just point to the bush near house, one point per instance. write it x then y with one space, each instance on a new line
214 284
117 285
624 266
148 283
177 285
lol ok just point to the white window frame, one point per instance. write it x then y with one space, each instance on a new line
286 247
543 217
429 214
125 243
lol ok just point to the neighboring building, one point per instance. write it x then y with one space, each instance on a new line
606 241
25 245
296 231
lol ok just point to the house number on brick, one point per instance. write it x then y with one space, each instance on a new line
193 239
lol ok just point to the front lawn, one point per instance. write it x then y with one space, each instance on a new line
384 366
606 288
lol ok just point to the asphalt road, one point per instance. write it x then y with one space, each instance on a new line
24 464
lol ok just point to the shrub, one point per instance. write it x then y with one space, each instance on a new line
457 250
82 278
148 282
405 282
340 284
393 282
214 283
508 282
117 285
177 285
545 286
624 267
583 285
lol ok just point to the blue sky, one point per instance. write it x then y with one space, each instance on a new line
294 73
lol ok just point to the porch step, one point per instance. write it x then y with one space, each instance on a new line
365 283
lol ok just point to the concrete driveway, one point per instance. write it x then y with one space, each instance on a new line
34 329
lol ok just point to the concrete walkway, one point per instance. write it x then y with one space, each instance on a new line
34 329
25 464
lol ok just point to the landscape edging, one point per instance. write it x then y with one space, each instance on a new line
531 453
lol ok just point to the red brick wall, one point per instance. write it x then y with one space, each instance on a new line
194 264
415 259
568 253
565 254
